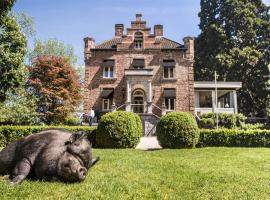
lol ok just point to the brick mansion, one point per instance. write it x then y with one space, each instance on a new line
142 71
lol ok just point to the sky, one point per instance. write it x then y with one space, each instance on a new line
70 21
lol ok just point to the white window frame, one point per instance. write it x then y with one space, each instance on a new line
108 105
169 104
138 44
110 69
170 76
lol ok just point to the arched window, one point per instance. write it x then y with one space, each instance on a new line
138 40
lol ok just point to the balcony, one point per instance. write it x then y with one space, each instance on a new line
138 72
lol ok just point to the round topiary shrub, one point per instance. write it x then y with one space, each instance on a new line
177 130
119 129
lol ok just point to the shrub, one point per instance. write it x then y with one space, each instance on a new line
226 120
234 138
177 130
73 121
119 130
207 123
11 133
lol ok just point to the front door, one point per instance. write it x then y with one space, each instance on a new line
138 99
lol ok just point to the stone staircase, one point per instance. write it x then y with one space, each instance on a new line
149 122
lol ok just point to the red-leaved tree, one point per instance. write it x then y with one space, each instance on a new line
54 81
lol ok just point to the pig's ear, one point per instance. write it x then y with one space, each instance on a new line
77 136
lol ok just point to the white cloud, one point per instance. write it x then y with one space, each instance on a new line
267 2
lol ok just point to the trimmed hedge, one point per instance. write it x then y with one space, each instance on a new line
226 120
119 129
234 138
11 133
177 130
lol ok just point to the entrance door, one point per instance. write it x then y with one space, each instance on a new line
138 99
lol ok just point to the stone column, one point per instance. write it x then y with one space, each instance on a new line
128 100
235 101
149 97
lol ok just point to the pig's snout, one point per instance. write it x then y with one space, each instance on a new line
81 172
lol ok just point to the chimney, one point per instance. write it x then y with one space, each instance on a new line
158 30
89 43
189 44
138 17
119 30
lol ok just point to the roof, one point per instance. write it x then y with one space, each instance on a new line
165 43
109 44
219 85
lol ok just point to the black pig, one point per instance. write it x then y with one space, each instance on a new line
53 154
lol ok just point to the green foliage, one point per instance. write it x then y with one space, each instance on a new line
53 47
208 123
5 6
56 85
177 130
73 121
26 23
12 52
19 108
235 42
226 120
11 133
234 138
119 129
254 126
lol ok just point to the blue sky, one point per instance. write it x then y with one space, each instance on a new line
70 21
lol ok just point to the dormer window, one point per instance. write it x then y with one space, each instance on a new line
138 40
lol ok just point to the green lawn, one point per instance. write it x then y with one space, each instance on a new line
209 173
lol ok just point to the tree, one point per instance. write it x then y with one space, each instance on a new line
54 81
235 42
55 48
19 108
5 6
12 52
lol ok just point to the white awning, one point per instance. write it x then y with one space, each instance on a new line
219 85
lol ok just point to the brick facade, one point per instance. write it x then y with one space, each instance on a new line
156 48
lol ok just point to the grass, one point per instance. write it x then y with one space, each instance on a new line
208 173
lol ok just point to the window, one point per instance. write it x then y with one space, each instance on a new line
138 40
108 67
138 64
107 104
168 72
170 103
205 99
107 98
170 96
108 72
168 66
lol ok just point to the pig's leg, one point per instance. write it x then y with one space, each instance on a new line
94 161
20 171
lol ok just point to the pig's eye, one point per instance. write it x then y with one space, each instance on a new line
66 165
